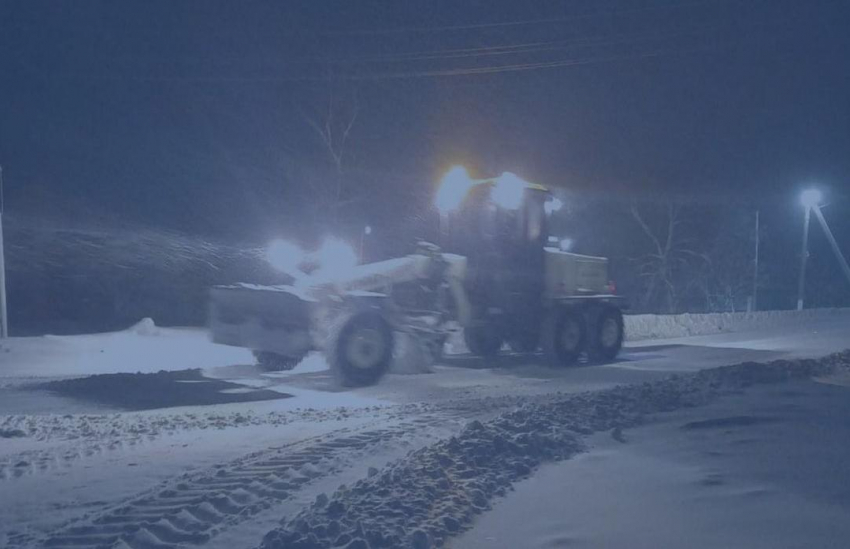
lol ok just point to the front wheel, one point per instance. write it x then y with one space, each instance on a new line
606 334
563 337
360 348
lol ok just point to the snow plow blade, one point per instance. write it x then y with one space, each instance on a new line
267 318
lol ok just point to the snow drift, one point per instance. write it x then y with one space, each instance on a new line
641 327
651 326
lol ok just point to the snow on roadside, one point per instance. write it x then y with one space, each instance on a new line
148 348
645 327
648 326
434 492
143 347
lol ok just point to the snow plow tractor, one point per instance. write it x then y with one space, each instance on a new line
493 277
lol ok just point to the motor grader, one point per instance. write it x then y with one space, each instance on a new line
494 276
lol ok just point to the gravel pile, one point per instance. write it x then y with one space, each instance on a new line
434 493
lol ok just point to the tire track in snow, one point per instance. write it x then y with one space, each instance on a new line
193 508
74 437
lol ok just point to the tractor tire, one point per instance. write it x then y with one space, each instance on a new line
360 348
274 362
564 337
525 342
605 334
483 341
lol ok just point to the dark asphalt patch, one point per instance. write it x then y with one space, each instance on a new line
159 390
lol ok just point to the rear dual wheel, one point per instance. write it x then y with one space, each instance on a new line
605 338
563 337
570 331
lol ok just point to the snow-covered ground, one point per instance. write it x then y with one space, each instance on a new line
436 492
642 327
144 347
764 469
85 471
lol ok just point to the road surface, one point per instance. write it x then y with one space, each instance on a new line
85 471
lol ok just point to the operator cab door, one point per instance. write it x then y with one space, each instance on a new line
526 281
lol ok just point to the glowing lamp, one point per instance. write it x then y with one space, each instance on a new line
453 189
335 257
811 198
553 205
284 256
508 191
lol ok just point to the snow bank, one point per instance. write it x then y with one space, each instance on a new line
433 493
641 327
650 326
145 327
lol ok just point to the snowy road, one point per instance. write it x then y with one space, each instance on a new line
763 470
79 472
469 377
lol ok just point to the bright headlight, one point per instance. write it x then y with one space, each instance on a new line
284 256
453 189
335 257
553 205
508 191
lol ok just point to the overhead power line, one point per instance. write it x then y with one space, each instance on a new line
527 56
390 75
516 49
517 23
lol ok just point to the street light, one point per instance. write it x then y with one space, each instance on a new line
810 198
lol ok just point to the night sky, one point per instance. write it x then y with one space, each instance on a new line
183 114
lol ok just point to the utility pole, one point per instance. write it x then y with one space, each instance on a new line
4 318
833 243
756 267
367 230
801 287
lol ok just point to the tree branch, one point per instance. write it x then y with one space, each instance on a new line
646 229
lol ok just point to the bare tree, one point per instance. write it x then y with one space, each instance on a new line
725 279
331 112
671 254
